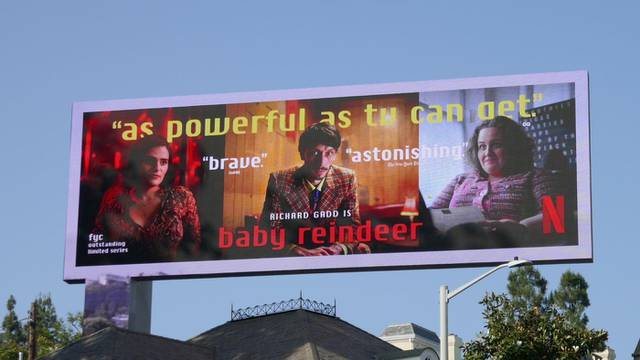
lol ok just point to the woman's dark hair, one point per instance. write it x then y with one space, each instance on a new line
137 154
319 133
518 146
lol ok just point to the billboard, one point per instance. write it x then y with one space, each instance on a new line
422 174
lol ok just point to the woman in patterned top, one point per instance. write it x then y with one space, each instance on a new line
504 183
157 221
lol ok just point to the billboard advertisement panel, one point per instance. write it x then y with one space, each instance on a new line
407 175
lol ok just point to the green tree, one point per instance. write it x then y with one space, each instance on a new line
14 337
571 298
71 330
528 324
52 332
11 324
527 287
523 332
9 350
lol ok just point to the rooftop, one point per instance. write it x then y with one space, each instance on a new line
112 343
295 334
410 329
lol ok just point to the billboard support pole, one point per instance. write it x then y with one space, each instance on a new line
123 302
140 296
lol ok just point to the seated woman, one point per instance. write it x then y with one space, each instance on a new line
503 182
157 221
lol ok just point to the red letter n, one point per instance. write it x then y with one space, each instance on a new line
553 214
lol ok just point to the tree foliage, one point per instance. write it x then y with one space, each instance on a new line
572 298
11 324
527 287
52 332
529 324
516 332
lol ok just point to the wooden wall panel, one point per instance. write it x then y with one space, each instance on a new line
384 185
244 192
379 184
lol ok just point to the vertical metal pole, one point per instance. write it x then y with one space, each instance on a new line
444 331
140 298
32 333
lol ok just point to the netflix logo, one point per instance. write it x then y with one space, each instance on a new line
553 219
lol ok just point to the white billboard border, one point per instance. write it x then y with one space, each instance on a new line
583 252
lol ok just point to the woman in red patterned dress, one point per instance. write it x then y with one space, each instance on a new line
157 221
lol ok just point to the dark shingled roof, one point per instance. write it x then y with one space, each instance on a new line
297 334
636 354
118 344
410 328
400 354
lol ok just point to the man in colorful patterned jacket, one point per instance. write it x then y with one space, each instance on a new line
316 194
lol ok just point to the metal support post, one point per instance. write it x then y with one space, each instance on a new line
444 321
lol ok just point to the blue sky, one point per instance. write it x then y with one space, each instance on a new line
55 53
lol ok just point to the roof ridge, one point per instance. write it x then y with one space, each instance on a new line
314 347
364 331
259 317
422 327
156 336
116 340
82 338
128 331
403 324
410 328
308 334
